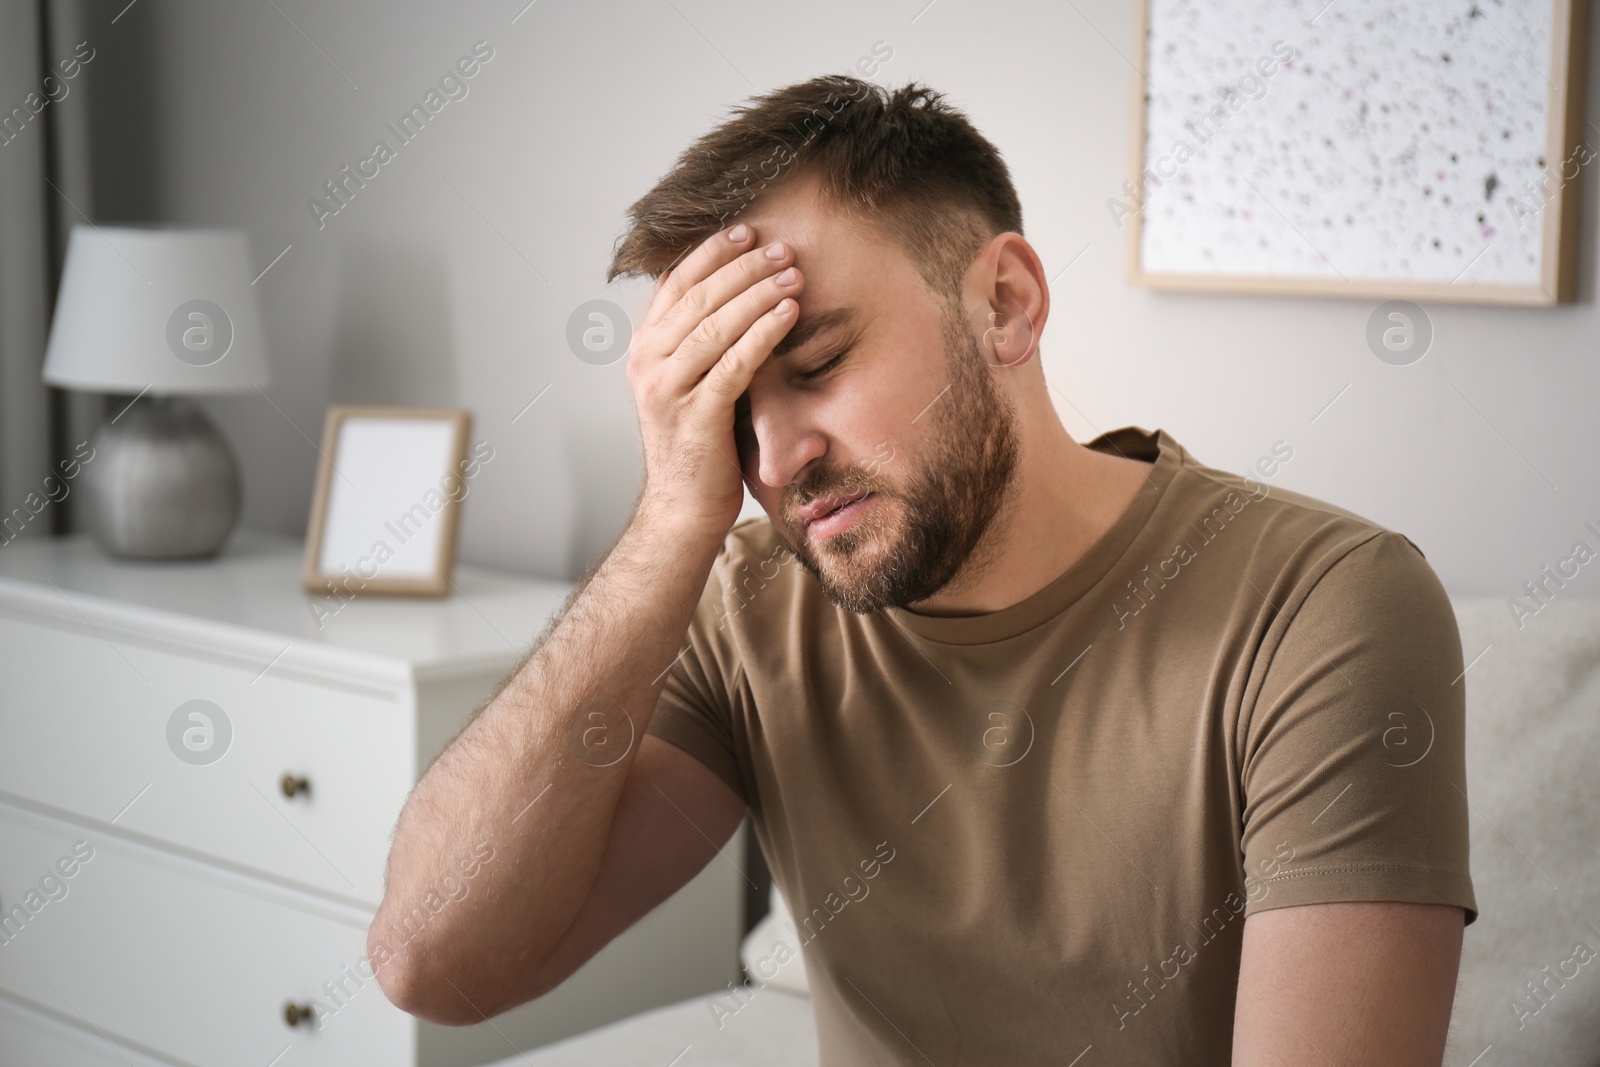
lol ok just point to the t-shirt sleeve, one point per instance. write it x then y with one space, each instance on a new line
1353 771
695 710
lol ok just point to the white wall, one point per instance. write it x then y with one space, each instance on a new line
412 294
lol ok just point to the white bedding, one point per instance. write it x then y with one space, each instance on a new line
771 1029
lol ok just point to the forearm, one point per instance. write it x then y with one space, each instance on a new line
520 787
514 783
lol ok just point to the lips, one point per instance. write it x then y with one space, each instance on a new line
827 505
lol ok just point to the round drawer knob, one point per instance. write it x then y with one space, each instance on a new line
292 786
295 1014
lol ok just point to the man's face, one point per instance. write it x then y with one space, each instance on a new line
891 402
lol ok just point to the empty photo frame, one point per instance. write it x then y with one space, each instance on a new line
387 505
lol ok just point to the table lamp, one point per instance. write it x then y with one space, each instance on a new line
163 313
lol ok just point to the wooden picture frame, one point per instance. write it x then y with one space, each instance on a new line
387 504
1197 229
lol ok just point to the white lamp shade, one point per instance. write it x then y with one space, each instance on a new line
168 310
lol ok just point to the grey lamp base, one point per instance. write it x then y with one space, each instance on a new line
163 483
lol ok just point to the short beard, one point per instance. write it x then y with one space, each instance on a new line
955 497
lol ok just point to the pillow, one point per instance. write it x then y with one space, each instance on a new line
771 951
1530 965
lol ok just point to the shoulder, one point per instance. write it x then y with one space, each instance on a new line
1375 617
1294 528
755 535
1259 485
755 577
1314 562
752 547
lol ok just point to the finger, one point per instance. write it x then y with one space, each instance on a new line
718 332
656 303
709 295
730 376
710 254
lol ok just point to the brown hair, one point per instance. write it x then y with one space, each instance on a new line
904 161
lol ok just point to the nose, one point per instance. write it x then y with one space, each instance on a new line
784 446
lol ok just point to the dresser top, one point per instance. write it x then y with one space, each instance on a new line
248 602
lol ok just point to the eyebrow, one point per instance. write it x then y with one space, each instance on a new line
812 326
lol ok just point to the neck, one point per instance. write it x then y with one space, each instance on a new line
1062 498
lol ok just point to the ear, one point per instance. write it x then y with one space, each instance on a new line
1014 300
1006 333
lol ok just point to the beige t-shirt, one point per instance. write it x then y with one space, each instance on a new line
1007 837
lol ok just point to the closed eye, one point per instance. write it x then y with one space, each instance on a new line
817 372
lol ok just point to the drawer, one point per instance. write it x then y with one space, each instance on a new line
86 728
37 1040
164 955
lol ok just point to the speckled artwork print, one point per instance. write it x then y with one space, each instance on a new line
1363 139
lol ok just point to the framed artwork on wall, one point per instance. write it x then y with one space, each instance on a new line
1358 148
387 504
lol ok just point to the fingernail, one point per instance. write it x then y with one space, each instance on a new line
787 277
775 250
738 233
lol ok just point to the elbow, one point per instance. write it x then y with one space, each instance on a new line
419 987
421 977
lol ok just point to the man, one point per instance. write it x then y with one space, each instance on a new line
1054 750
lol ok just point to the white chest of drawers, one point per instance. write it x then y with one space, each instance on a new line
200 769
